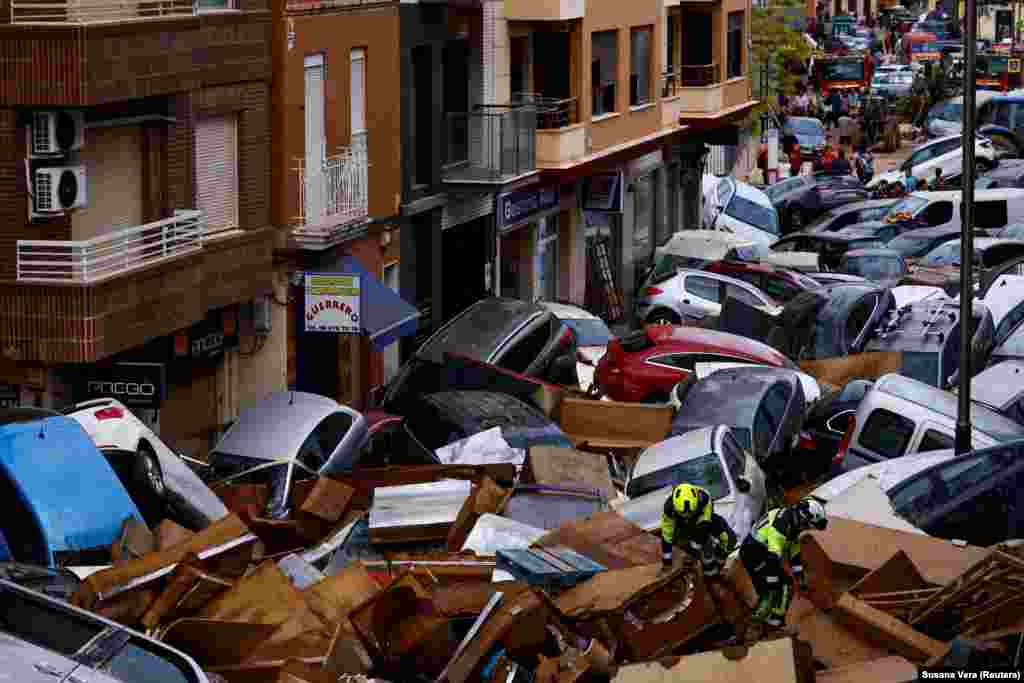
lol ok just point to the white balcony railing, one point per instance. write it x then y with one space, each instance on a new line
99 11
333 196
106 256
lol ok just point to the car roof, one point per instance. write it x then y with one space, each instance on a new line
564 311
703 339
745 388
999 384
480 329
694 444
716 276
275 428
979 195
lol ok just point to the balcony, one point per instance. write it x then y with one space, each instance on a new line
111 255
544 10
493 144
560 135
333 199
78 12
697 91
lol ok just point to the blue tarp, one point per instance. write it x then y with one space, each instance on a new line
386 317
65 483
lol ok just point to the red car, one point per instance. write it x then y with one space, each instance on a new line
645 365
780 284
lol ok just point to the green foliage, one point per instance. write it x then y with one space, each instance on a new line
775 41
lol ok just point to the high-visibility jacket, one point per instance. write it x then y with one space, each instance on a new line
778 532
694 532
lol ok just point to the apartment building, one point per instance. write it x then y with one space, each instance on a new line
136 245
547 147
336 184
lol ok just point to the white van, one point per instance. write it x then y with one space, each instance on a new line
741 209
993 209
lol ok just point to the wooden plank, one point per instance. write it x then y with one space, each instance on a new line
613 424
553 466
833 644
876 625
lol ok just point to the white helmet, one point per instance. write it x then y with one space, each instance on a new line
812 513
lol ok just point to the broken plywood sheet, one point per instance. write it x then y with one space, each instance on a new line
832 643
334 597
847 550
170 534
188 589
264 597
329 500
487 498
898 573
213 642
606 538
612 424
884 670
613 590
771 661
887 630
554 466
838 371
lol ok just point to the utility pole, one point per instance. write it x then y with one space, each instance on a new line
963 417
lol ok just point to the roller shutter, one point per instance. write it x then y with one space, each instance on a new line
217 171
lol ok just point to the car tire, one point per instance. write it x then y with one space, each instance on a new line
148 473
663 316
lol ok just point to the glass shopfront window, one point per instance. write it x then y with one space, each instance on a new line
546 282
643 222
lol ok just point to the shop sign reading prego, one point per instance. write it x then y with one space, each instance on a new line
332 303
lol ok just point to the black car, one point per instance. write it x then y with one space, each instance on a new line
801 199
914 244
825 426
764 411
516 335
830 246
850 214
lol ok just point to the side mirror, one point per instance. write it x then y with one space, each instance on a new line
742 485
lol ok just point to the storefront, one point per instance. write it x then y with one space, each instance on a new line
528 225
603 196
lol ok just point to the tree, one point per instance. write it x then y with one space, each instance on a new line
777 41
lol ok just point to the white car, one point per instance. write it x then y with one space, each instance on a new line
709 457
691 295
945 153
739 208
592 337
144 462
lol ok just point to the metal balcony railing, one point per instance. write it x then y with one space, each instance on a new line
552 112
698 75
491 142
334 194
106 256
105 11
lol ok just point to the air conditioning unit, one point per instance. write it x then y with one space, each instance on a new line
59 188
56 133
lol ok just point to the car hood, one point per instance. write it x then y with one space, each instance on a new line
889 177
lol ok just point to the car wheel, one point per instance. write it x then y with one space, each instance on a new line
148 472
796 219
664 317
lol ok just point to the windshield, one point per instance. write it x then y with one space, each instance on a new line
808 127
742 435
844 70
238 469
947 254
705 471
905 208
947 111
590 332
910 247
875 267
762 217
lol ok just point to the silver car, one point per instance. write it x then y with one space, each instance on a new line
710 457
286 437
692 295
46 640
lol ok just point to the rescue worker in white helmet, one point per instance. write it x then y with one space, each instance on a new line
776 537
688 520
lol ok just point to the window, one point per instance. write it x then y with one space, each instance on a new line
746 296
886 433
604 67
916 499
421 121
735 45
456 100
215 5
769 417
324 440
734 456
967 472
671 26
779 289
704 287
705 471
935 441
683 361
939 213
314 193
525 350
859 317
840 422
640 65
216 150
357 92
37 622
141 661
643 222
990 214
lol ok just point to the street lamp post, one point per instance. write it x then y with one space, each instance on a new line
963 417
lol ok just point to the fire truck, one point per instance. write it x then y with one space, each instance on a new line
842 72
999 70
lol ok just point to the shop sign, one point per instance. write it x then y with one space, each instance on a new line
141 385
10 395
603 193
210 338
332 303
515 208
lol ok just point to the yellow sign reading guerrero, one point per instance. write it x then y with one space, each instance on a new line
332 303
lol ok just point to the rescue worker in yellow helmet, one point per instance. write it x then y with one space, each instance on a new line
776 537
689 520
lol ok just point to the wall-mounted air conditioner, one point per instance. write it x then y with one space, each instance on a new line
55 133
59 188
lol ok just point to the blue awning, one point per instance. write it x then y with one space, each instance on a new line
385 315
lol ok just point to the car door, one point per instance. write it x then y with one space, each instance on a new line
948 157
703 292
748 295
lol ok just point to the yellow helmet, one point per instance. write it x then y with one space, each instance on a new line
689 500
